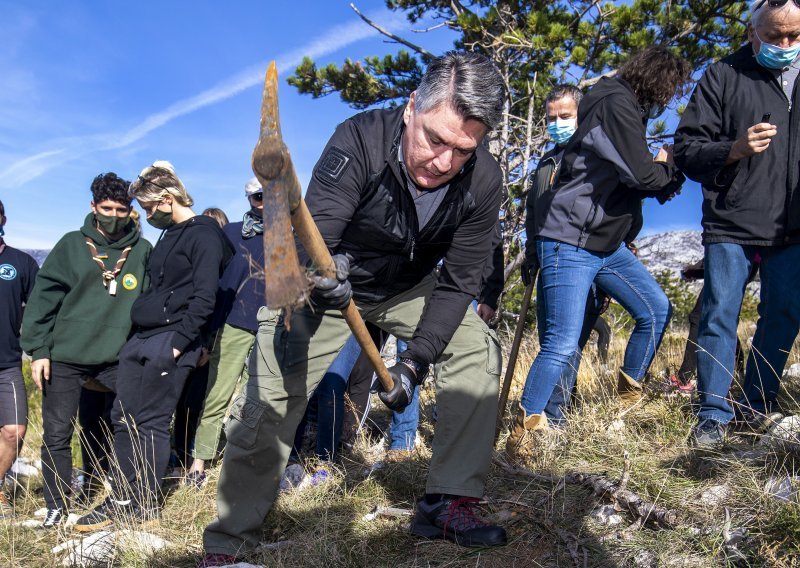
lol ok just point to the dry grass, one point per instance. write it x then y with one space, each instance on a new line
549 524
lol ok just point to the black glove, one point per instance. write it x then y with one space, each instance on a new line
406 375
672 188
529 268
332 293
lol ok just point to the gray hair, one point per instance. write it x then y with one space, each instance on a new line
468 82
564 90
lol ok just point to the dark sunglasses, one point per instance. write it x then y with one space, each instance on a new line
257 196
775 3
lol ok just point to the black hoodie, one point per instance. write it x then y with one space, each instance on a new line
184 268
606 170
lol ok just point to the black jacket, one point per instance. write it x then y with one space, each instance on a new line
359 200
606 170
185 267
753 201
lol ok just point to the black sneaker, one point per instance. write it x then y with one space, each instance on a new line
110 511
452 518
53 518
708 434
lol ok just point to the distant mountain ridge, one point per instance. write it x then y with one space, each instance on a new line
670 251
38 254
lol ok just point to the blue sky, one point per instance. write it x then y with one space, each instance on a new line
89 87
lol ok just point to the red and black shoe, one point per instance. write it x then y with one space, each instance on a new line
453 518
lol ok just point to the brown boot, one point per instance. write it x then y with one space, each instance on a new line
628 389
521 442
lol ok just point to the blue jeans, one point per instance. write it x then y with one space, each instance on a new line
562 392
330 403
727 267
404 424
567 273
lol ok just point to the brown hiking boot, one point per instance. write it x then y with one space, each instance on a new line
628 389
522 441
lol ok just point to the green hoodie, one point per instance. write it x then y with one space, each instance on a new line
70 316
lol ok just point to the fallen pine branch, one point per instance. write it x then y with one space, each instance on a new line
610 489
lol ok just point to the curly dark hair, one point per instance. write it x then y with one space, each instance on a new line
656 75
111 186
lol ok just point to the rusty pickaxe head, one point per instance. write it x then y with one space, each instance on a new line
286 283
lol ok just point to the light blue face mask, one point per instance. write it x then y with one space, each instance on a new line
774 57
561 131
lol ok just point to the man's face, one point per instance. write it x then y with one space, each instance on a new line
564 108
777 26
256 201
111 208
437 143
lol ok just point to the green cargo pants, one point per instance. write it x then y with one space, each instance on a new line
285 368
226 365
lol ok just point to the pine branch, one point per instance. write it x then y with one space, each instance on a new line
426 55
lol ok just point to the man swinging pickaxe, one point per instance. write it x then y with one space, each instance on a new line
396 192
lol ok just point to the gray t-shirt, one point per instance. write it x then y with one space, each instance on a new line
426 201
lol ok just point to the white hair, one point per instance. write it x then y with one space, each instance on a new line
756 11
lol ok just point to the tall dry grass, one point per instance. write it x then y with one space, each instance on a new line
549 524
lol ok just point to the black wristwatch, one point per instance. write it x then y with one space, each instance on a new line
420 369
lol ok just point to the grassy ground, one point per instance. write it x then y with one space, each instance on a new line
549 522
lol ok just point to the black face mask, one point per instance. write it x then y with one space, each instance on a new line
111 224
161 219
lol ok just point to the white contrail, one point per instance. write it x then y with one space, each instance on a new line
31 167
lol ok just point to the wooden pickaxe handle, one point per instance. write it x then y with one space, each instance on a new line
309 235
285 284
512 356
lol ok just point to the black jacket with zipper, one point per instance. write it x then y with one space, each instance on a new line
753 201
606 170
361 203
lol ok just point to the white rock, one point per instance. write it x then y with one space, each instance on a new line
607 515
644 559
782 488
101 547
785 435
715 495
292 477
28 523
793 372
26 467
617 425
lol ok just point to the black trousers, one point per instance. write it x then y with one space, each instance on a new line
187 414
61 399
150 383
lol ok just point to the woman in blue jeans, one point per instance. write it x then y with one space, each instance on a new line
581 220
